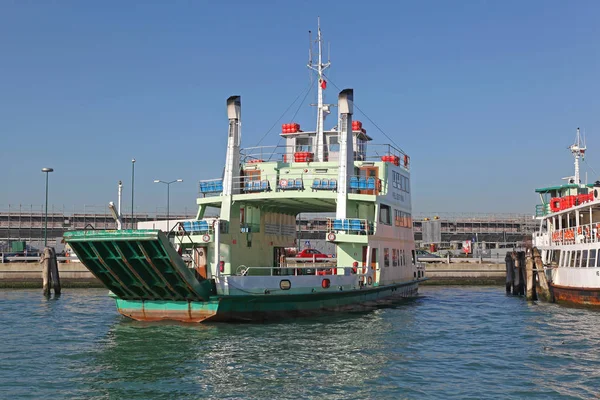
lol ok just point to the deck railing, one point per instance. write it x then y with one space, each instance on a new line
293 182
588 233
306 153
351 226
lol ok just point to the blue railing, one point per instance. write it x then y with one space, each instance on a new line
324 184
212 186
257 186
351 226
197 227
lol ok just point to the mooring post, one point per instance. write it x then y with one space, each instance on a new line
523 274
509 271
54 272
46 279
50 275
545 291
529 273
516 274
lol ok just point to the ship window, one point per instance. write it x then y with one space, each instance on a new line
574 259
386 257
334 145
592 258
584 258
394 258
304 144
384 214
555 257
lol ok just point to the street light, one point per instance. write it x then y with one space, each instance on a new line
168 194
46 170
132 180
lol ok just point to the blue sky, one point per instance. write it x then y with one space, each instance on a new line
484 95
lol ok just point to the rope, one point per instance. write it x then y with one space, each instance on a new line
366 116
286 110
590 167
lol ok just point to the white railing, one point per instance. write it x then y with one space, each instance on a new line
588 233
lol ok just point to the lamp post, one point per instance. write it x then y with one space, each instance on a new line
168 194
46 171
132 181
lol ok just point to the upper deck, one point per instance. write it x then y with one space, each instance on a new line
286 178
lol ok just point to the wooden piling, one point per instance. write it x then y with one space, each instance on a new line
545 291
50 276
509 271
516 274
54 272
46 279
531 292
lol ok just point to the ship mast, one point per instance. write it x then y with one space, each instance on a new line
578 150
322 109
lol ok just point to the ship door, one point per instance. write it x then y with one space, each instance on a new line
279 261
373 260
373 183
200 261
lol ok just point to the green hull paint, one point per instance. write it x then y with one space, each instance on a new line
265 307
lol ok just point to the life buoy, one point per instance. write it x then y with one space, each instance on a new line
283 182
331 236
206 238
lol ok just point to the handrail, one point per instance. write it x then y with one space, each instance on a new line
298 181
285 153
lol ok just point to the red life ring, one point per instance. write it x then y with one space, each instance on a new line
331 236
206 238
283 182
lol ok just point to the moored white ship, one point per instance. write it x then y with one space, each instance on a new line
569 236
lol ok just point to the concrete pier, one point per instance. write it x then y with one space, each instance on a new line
465 273
29 275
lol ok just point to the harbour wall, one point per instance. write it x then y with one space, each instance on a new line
466 273
74 274
29 275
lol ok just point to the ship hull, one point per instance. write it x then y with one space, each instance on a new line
257 308
576 295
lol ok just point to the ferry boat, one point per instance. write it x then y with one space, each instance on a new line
569 236
234 267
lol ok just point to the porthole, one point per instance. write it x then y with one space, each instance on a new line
285 284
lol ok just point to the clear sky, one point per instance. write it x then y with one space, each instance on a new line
484 95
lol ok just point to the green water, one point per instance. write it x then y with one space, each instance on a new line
451 343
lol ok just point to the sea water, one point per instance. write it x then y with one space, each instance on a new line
450 343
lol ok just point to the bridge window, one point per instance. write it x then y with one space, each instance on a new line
385 214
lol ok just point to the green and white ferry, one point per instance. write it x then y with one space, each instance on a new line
234 267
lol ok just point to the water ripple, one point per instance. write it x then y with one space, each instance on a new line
451 343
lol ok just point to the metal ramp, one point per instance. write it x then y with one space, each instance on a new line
138 265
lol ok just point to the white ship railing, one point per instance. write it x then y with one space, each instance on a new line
588 233
304 153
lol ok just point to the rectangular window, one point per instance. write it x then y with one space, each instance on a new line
555 257
394 257
304 144
386 257
574 259
385 214
584 258
592 258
